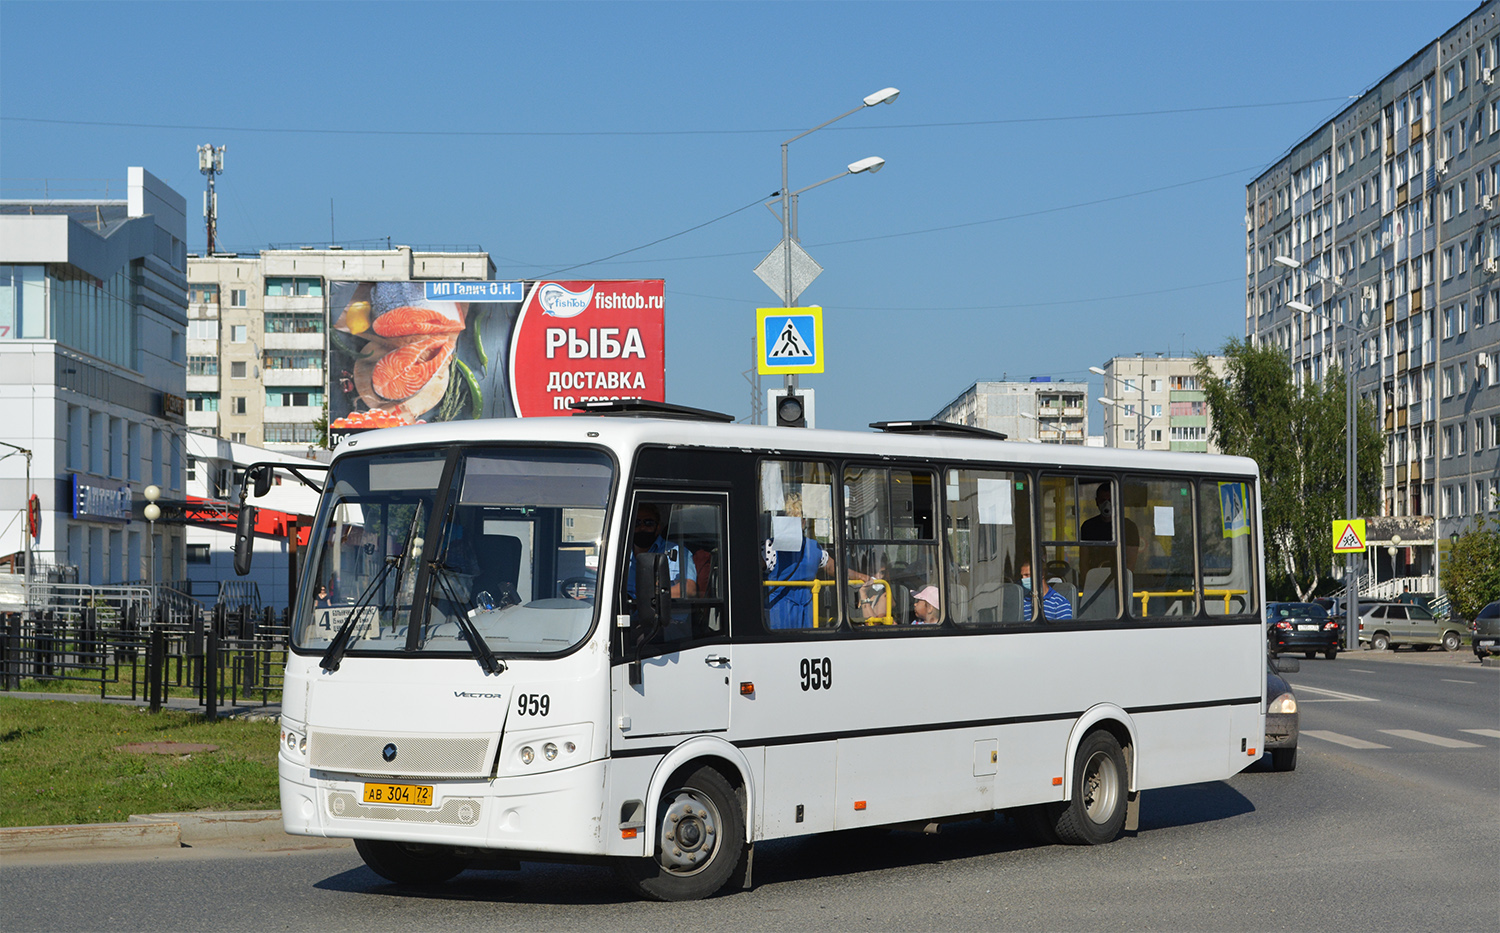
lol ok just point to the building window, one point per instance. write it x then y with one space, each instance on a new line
238 437
237 333
294 324
236 297
203 401
294 398
294 359
285 287
1156 411
237 404
1447 440
1189 434
204 294
1447 322
1463 378
203 366
198 554
203 330
1130 434
237 369
293 434
1156 435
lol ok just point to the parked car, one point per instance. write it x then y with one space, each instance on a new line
1304 627
1281 716
1391 625
1485 630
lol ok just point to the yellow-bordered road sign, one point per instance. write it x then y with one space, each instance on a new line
1349 536
789 340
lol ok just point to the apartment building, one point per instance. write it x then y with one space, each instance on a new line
258 332
1157 403
1039 410
92 324
1375 242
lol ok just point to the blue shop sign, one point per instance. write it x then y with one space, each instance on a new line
100 503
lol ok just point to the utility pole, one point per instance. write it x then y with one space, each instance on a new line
211 163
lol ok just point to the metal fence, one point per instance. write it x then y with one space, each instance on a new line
136 644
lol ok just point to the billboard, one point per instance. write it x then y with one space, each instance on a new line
419 352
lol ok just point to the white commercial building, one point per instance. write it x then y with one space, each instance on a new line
92 378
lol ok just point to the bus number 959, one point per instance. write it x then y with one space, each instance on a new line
532 704
817 674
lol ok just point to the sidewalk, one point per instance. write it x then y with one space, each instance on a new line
248 711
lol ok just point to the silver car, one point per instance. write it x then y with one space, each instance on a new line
1391 625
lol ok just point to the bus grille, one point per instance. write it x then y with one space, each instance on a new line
427 756
456 811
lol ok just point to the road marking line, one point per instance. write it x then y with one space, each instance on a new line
1447 681
1337 739
1430 739
1334 694
1488 733
1358 670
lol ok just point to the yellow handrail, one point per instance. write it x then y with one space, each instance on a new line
817 587
1145 596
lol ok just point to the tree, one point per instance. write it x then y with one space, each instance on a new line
1471 570
1296 435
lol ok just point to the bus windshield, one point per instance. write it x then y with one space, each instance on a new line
513 560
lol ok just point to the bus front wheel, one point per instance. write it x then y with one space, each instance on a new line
1096 812
409 863
700 840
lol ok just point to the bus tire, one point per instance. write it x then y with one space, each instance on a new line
1096 812
409 863
700 840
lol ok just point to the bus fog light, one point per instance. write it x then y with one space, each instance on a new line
569 747
302 745
550 751
527 755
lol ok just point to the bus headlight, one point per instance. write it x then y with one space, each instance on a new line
549 751
527 755
293 742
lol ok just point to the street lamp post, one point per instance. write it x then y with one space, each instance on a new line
885 96
1351 433
1141 418
25 525
152 512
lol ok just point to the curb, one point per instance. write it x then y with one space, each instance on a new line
147 830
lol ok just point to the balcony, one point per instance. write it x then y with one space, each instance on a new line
1401 196
202 383
1416 300
1400 473
1400 362
1416 128
1390 146
291 414
1401 417
310 304
207 421
294 341
292 377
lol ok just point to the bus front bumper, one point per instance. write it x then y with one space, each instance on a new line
556 812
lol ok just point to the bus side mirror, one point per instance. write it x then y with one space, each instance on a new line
653 592
260 478
653 604
244 540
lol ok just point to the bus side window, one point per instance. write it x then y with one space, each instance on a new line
989 542
891 536
798 551
1226 547
1161 513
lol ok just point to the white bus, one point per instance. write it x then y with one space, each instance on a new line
655 641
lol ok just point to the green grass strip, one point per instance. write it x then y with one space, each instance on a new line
59 763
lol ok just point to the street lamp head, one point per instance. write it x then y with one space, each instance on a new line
872 165
882 97
152 493
1287 262
152 511
1097 371
1300 306
1107 401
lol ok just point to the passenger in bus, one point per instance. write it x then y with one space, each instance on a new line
790 557
872 596
1055 606
648 539
1101 528
925 603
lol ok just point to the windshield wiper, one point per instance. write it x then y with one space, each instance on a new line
340 641
482 652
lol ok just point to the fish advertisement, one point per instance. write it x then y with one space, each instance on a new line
420 352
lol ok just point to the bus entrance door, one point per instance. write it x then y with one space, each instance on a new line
684 683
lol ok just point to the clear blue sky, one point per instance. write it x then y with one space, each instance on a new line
622 123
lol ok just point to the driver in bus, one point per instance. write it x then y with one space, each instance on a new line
648 539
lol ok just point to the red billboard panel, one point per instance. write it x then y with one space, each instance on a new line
409 352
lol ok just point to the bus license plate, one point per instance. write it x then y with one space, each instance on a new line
1307 628
412 795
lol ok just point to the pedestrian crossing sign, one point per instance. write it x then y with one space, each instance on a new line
789 340
1349 536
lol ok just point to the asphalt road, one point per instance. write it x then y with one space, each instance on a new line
1390 822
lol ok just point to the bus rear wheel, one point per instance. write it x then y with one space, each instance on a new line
409 863
700 840
1096 812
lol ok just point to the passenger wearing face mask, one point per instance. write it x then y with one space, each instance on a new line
647 539
1055 606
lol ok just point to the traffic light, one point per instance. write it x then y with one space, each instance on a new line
791 412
